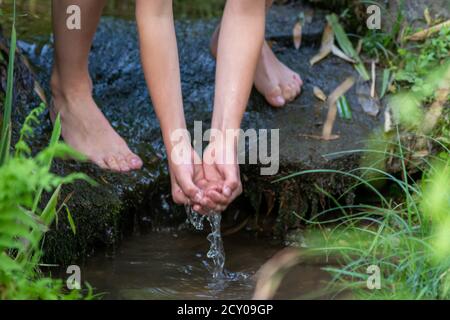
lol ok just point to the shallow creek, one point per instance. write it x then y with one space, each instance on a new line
174 265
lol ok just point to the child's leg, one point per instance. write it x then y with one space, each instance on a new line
239 49
273 79
83 125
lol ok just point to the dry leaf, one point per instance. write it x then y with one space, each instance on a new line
268 276
421 35
427 16
326 45
332 109
319 94
338 53
359 46
297 35
374 79
316 137
388 123
40 92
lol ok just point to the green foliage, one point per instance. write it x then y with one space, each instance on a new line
23 180
347 46
415 62
407 237
22 224
407 234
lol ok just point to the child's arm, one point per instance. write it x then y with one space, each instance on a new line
240 42
161 68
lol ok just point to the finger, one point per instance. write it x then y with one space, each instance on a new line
190 189
199 209
218 197
232 181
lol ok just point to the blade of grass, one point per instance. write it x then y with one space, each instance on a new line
5 134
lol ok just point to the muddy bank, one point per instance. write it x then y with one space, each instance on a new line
122 204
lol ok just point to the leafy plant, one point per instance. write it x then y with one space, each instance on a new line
23 180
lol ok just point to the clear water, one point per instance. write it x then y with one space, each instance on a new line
216 251
174 265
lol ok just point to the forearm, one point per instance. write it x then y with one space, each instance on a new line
240 42
160 63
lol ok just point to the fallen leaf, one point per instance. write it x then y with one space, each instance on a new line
338 53
427 16
268 276
346 45
297 35
40 92
316 137
332 109
374 78
421 35
359 46
326 45
388 123
319 94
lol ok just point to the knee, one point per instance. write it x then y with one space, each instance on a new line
246 6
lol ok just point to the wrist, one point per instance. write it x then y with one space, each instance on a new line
222 123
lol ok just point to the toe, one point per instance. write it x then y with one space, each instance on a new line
275 97
112 163
100 162
123 164
288 92
298 79
134 162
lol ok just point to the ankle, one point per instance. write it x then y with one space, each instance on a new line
67 90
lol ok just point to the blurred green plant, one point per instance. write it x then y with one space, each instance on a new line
407 233
407 237
23 180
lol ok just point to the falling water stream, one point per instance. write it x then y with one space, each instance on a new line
216 251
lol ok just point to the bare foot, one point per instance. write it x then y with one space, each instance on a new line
274 80
86 129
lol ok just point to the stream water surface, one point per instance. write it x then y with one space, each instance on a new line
174 265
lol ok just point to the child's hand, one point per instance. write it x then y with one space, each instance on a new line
212 191
220 164
184 190
190 187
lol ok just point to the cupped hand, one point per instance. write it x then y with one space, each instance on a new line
220 165
190 187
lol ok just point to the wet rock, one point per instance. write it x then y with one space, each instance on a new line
141 201
413 12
